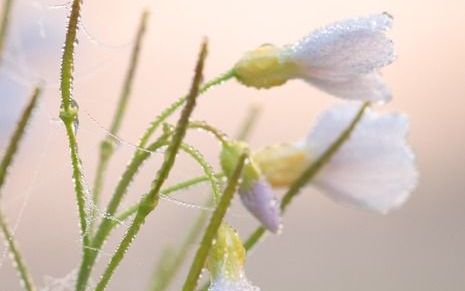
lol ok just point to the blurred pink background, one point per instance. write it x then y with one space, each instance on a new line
324 246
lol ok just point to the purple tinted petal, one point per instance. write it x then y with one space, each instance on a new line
261 201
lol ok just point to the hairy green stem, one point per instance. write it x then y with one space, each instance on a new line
177 104
107 222
107 146
310 173
165 192
165 274
7 160
67 60
209 128
150 201
217 218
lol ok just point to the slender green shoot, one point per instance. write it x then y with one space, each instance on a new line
217 218
17 136
170 263
164 192
310 173
107 146
166 270
67 61
4 25
249 122
107 223
16 256
177 104
218 134
150 201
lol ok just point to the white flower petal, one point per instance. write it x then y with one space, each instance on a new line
375 168
368 87
346 48
225 284
343 58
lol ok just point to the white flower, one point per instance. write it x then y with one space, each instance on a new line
342 59
373 169
226 262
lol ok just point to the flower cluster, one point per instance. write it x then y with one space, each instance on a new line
374 167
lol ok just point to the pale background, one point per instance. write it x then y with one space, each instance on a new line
324 246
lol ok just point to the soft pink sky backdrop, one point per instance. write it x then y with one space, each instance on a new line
325 246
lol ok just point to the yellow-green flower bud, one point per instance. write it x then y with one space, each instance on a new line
227 255
264 67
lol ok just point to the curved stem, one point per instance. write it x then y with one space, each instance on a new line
310 172
178 103
210 128
150 201
105 226
165 192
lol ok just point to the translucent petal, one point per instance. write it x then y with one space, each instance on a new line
369 87
375 168
344 49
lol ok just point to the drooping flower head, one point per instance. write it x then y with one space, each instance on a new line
373 169
255 191
342 59
226 262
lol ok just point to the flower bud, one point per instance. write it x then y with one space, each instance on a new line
263 67
255 191
226 261
282 164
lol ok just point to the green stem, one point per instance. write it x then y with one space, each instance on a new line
167 268
4 25
7 160
177 187
150 201
107 146
67 61
164 275
206 167
217 218
18 135
69 115
177 104
107 222
310 173
79 185
210 128
20 265
246 128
